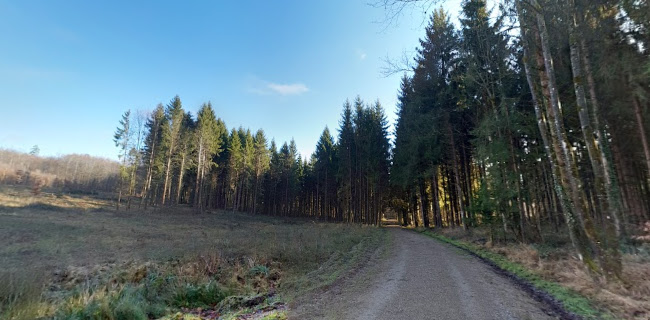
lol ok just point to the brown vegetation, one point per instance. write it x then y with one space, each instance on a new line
70 173
73 243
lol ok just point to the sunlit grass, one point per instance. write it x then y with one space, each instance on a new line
13 197
93 260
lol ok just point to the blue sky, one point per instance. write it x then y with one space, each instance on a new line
69 69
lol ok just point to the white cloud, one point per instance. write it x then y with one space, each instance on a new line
262 87
288 89
259 91
362 55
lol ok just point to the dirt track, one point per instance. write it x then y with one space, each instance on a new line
416 277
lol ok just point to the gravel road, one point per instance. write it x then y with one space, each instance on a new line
417 277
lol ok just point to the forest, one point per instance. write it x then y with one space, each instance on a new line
525 117
482 137
72 173
521 136
540 128
176 158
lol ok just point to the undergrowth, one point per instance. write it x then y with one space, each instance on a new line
147 291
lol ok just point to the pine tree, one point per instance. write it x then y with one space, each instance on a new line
183 157
324 170
122 140
249 171
171 131
346 152
261 163
379 164
235 167
208 145
152 151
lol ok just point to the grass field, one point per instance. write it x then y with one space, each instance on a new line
71 257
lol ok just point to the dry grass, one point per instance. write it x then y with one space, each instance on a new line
66 243
23 198
626 300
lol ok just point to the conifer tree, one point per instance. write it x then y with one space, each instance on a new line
171 131
152 151
183 157
324 170
208 145
122 140
236 166
346 152
261 163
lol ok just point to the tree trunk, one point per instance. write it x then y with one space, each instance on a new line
584 231
643 136
413 206
180 180
609 177
437 219
457 182
424 201
119 199
198 202
607 247
146 186
327 191
166 184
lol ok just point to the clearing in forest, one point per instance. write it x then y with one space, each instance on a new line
73 256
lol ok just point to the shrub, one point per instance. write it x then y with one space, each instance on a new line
193 296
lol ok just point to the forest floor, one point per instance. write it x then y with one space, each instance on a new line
417 277
553 262
75 257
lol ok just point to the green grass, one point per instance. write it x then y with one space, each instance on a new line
571 300
151 297
338 262
83 260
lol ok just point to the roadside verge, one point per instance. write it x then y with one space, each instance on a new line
564 302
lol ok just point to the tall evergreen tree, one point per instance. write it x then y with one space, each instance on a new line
346 152
324 170
171 132
122 139
261 163
208 145
183 157
236 167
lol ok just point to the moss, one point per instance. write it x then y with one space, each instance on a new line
181 316
276 315
259 270
234 303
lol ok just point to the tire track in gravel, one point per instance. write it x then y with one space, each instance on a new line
418 277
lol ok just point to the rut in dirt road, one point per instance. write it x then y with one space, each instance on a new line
421 278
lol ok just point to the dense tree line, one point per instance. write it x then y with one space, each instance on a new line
526 120
174 157
529 118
